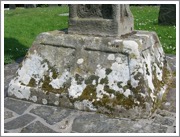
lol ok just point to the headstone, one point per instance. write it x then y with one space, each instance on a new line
100 65
30 5
100 19
167 14
12 6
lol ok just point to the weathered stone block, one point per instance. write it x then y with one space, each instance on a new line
125 76
100 19
51 115
19 122
15 105
37 127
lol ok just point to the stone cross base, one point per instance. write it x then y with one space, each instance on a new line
126 76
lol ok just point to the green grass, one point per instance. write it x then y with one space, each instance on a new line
23 25
146 18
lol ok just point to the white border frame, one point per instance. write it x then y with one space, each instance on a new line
89 2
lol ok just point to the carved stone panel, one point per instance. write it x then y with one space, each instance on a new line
94 11
100 19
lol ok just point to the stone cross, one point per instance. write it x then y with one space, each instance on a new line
100 19
94 67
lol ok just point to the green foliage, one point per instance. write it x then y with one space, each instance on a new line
21 26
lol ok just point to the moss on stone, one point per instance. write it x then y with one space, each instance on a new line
140 98
119 99
53 70
90 79
105 102
108 90
147 71
48 88
166 80
55 74
32 83
128 102
128 86
132 56
79 79
157 83
104 80
89 93
119 84
108 71
50 68
111 103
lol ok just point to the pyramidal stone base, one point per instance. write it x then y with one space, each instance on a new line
123 76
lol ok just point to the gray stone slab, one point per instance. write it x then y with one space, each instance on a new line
163 121
17 106
95 123
8 114
86 123
51 114
19 122
152 128
37 127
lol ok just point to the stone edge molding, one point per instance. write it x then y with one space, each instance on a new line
125 77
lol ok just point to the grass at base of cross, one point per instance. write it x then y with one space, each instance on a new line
21 26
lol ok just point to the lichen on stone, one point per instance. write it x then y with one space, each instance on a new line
108 75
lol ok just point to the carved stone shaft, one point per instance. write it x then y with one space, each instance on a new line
100 19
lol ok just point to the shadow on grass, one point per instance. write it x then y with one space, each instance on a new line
13 50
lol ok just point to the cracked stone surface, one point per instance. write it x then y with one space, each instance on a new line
52 115
8 114
17 106
37 127
19 122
